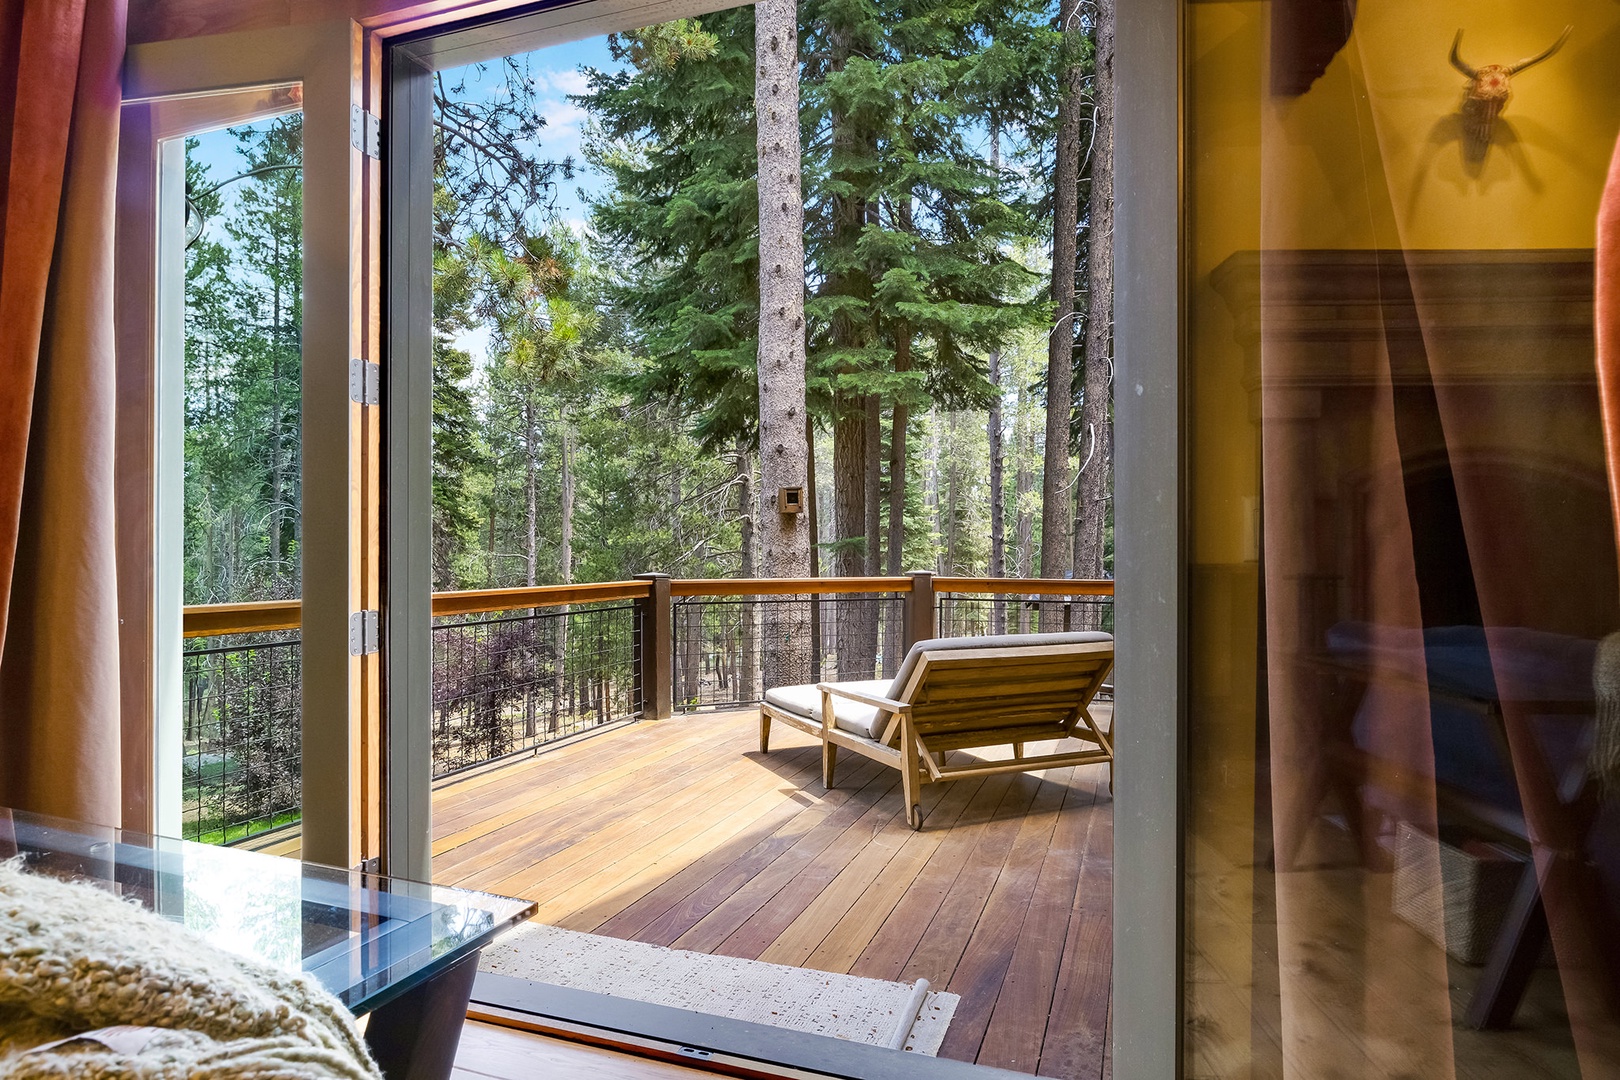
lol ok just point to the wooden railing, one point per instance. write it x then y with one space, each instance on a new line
515 669
218 620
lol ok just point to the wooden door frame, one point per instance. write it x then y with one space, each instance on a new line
340 692
1150 478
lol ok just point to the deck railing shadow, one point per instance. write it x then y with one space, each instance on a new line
518 670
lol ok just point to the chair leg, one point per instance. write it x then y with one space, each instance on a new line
829 761
911 776
764 732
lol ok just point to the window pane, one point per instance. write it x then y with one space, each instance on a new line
243 361
1404 572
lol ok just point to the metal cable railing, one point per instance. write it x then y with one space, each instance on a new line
728 650
505 682
240 735
515 670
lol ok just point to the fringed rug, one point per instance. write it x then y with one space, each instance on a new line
904 1016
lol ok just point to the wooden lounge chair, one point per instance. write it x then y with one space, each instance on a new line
957 694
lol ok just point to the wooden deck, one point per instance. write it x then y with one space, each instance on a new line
680 833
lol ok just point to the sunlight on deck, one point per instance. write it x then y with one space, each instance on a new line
680 833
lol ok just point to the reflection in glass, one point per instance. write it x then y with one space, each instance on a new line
367 938
1402 854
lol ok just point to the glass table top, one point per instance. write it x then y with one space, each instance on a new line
366 937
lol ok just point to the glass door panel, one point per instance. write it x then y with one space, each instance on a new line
259 530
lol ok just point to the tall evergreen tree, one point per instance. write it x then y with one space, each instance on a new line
781 361
1057 558
1094 490
678 228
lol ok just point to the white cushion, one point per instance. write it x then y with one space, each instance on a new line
851 716
894 689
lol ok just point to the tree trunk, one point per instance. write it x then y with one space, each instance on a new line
931 498
531 494
1024 525
900 419
953 498
998 521
856 640
1056 554
873 443
489 556
748 676
784 538
1095 487
998 525
565 566
531 544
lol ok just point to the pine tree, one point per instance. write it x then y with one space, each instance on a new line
785 538
1094 491
678 231
244 313
1056 554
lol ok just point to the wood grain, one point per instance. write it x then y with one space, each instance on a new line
490 1052
680 833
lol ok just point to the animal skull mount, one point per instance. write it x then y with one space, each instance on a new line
1489 88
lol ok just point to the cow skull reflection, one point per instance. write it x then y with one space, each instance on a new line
1489 88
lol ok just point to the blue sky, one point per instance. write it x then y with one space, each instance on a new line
555 73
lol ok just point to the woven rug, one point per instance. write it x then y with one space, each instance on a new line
904 1016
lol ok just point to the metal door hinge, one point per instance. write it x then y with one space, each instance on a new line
363 635
365 382
365 132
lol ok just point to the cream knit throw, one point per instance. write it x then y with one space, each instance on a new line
74 959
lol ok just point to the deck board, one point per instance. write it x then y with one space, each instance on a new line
680 833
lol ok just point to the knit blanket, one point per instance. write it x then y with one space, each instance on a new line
93 987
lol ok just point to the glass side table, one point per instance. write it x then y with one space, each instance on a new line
403 952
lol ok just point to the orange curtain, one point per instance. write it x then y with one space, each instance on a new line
60 62
1608 325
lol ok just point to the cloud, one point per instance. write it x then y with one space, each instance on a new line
559 81
561 116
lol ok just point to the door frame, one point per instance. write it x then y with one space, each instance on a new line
1150 445
338 565
1149 404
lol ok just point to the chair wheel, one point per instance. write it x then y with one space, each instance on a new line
916 816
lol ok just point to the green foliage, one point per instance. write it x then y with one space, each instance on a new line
913 230
244 315
677 231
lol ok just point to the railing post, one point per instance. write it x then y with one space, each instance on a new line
655 683
921 623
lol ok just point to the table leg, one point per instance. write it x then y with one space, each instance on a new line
414 1037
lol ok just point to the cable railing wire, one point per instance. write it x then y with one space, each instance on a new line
726 648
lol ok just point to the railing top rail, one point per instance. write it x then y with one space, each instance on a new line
787 586
472 602
214 620
1026 586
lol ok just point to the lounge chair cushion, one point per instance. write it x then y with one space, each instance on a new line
851 716
987 641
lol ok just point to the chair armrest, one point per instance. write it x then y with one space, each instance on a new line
878 702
